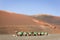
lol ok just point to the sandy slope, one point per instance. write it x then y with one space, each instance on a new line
11 22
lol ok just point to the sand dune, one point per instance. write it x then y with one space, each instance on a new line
11 22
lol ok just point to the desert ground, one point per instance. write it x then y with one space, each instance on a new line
49 37
11 22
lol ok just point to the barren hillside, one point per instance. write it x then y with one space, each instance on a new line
11 22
